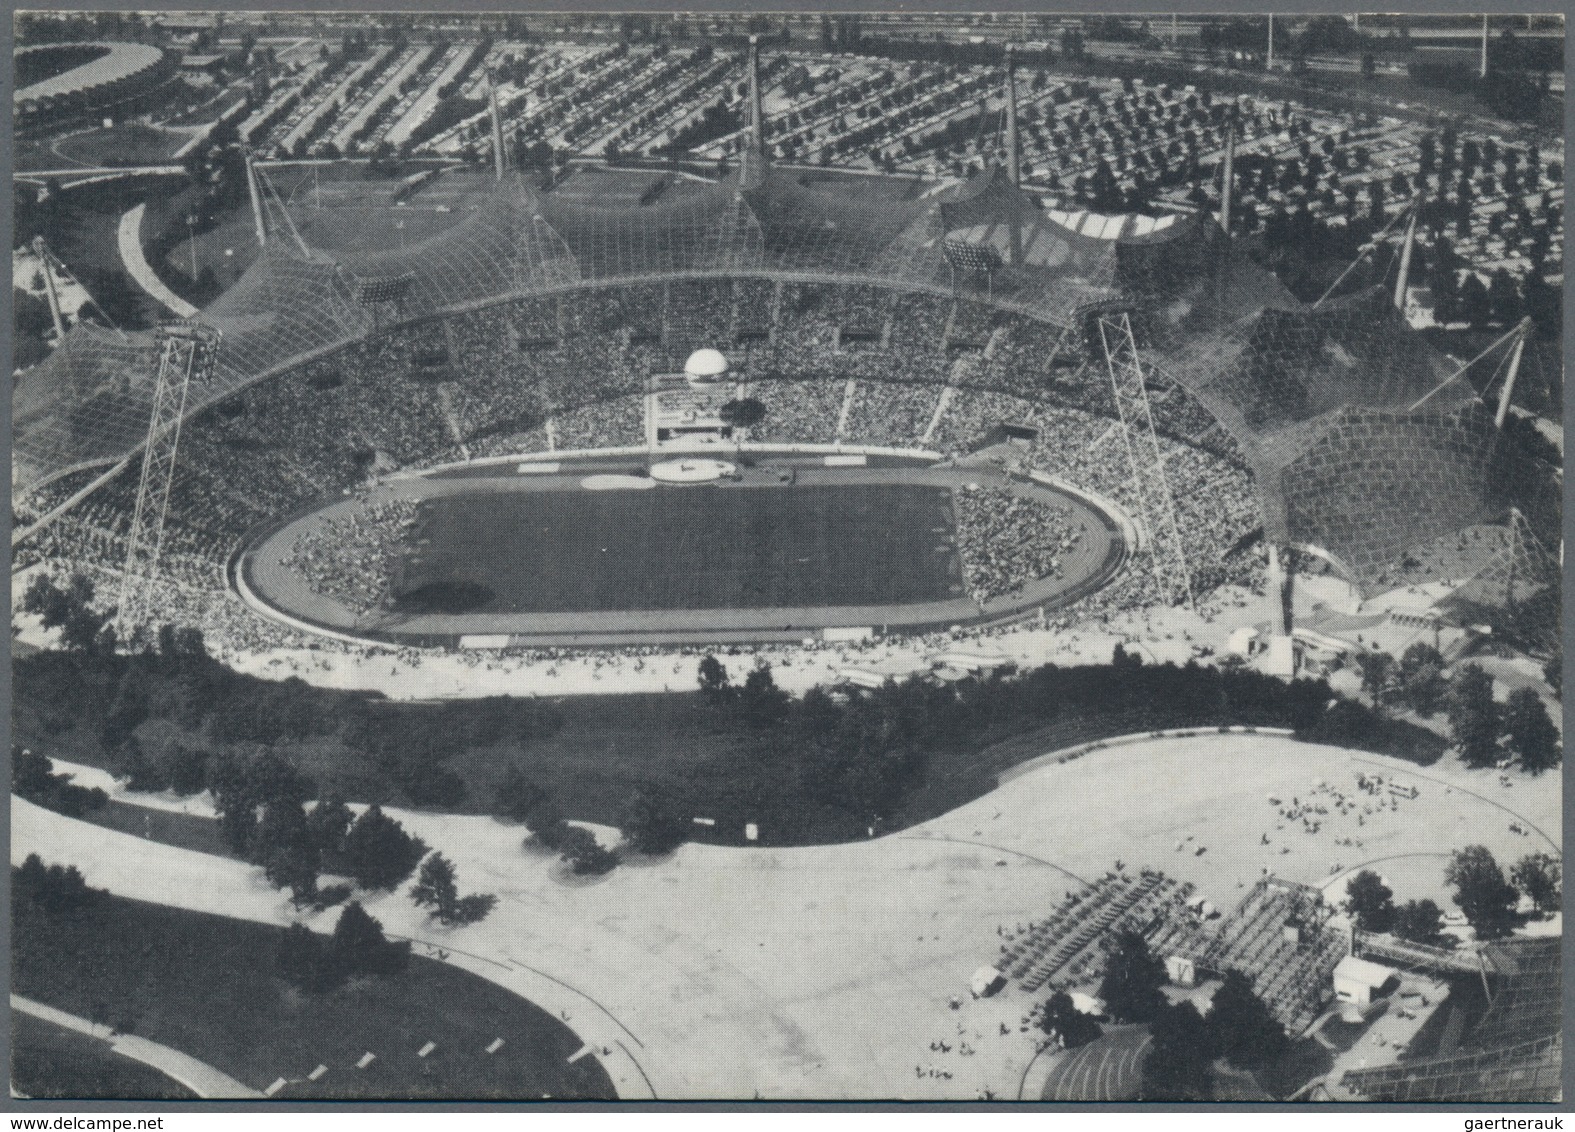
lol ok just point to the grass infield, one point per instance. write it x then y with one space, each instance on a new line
727 548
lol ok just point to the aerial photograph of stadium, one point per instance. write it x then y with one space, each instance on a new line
762 556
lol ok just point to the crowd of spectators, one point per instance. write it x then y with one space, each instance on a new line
570 371
1007 540
352 557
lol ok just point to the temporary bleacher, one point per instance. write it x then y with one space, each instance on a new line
1072 935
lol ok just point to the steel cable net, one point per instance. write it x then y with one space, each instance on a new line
1371 484
287 305
1280 380
1524 1073
1521 580
504 246
89 400
1527 993
1514 1053
708 229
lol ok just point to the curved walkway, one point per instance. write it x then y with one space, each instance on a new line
200 1077
835 972
129 237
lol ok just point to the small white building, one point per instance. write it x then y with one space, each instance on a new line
1361 982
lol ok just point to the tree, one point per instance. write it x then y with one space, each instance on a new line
1481 892
1066 1023
653 823
1532 735
437 888
1474 716
581 851
1421 683
714 683
327 825
358 946
1132 980
760 700
1474 305
518 795
1377 671
379 854
1504 298
1177 1065
1241 1027
68 609
59 892
1540 877
1370 902
1420 921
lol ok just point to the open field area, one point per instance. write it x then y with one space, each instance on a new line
129 144
705 548
826 971
205 985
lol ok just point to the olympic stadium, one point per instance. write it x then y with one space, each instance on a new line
532 309
463 522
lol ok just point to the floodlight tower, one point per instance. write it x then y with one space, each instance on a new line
1228 177
255 192
757 106
41 250
499 159
187 352
1145 461
1012 169
1404 277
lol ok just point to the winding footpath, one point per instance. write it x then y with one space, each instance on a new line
129 238
201 1078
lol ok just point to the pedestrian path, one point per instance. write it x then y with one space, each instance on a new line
201 1078
129 237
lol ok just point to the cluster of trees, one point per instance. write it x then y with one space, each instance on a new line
71 609
1483 730
1238 1027
356 949
58 892
865 753
520 798
263 819
1370 903
1488 899
1484 895
33 778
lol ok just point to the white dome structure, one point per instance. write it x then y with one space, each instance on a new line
706 365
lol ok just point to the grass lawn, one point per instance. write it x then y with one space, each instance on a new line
765 547
132 143
204 985
52 1063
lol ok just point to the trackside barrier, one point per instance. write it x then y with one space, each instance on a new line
1070 753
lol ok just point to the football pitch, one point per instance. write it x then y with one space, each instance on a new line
733 547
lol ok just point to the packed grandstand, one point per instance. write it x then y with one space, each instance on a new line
1297 421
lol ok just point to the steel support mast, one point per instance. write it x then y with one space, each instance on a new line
1150 485
186 353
